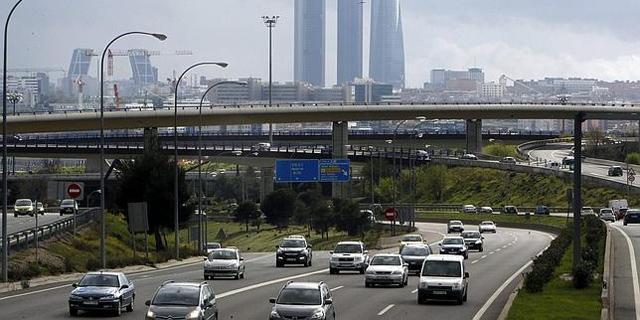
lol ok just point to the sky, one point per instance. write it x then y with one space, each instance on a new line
522 39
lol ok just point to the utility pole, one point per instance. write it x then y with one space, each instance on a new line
270 22
577 185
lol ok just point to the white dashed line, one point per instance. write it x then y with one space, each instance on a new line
504 247
490 253
386 309
484 256
474 261
414 291
336 288
498 250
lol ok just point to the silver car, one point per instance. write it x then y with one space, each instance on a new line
606 214
225 262
348 255
387 269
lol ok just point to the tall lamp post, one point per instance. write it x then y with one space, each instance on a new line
393 148
176 205
5 243
201 218
103 225
270 22
413 155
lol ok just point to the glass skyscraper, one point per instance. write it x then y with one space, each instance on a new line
309 41
80 62
349 40
386 58
141 68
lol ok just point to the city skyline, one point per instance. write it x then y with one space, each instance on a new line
350 40
387 56
309 41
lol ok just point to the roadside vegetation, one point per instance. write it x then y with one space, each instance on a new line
500 150
633 158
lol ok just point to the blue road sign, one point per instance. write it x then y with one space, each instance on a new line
297 171
334 170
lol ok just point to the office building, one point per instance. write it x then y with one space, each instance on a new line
440 77
309 42
350 39
386 61
80 63
143 72
367 91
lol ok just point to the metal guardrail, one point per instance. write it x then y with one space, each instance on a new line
458 207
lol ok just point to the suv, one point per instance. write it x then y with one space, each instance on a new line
183 300
303 300
473 240
102 291
294 250
455 226
510 210
348 255
23 207
615 171
454 245
68 206
443 278
224 262
414 255
631 216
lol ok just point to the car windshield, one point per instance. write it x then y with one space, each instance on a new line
414 251
299 296
385 261
442 269
455 223
213 245
177 296
348 248
292 243
68 202
413 238
223 255
452 241
99 280
487 223
23 203
606 211
471 234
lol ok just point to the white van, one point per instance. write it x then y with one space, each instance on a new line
443 277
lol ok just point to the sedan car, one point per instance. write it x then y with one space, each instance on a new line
615 171
508 160
210 246
68 206
414 255
510 210
454 245
303 300
469 156
225 262
542 210
631 216
488 210
387 269
102 291
473 240
587 211
183 300
606 214
487 226
469 208
411 239
455 226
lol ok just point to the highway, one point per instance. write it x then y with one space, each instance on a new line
626 287
22 223
505 253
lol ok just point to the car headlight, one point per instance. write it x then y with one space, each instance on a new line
424 285
478 242
456 286
397 272
195 314
151 315
109 297
318 314
370 272
274 314
75 297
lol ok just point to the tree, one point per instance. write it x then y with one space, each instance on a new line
307 202
349 218
322 218
279 206
35 189
150 178
246 213
431 183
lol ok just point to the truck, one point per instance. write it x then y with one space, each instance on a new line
619 207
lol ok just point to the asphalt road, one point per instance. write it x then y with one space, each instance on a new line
504 254
22 223
626 290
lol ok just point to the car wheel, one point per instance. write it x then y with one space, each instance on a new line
278 264
15 215
421 298
118 311
464 298
332 271
242 274
362 270
481 249
130 306
310 262
73 312
459 300
367 284
237 276
624 223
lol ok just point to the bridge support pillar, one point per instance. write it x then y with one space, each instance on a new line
474 135
340 139
266 183
151 141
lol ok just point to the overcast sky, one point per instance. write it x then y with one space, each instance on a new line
520 38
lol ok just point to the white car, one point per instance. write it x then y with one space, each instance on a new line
411 239
587 211
23 207
469 156
486 210
40 208
606 214
443 277
348 255
262 146
387 269
487 226
469 208
226 262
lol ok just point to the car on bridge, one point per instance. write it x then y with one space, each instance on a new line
414 255
23 207
615 171
225 262
455 226
473 240
631 216
262 146
183 300
348 255
455 246
40 208
102 291
443 277
587 211
469 208
303 300
294 250
606 214
487 210
487 226
387 269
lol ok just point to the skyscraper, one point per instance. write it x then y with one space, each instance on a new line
142 71
80 62
386 58
349 40
309 41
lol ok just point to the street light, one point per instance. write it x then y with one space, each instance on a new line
103 226
270 23
393 149
5 243
200 220
175 150
412 159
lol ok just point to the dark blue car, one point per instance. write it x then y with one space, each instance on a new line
102 291
632 216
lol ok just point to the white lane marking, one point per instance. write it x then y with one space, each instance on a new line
386 309
268 283
498 250
474 261
484 256
491 252
504 247
414 291
260 257
336 288
34 292
634 271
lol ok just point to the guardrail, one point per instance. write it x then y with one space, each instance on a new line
534 144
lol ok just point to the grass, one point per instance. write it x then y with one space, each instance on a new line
559 300
553 221
500 150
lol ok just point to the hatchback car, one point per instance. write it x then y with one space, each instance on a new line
443 278
413 255
587 211
606 214
225 262
455 226
473 240
183 300
348 255
487 210
487 226
542 210
454 245
469 208
40 208
631 216
210 246
294 250
303 300
469 156
102 291
615 171
387 269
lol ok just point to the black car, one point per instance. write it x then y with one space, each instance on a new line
473 240
414 255
102 291
615 171
303 300
454 245
510 210
632 216
183 300
542 210
293 250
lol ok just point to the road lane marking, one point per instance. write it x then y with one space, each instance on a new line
386 309
634 271
484 256
490 253
498 250
34 292
336 288
268 283
474 261
504 247
414 291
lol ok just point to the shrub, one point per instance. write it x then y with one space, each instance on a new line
93 264
633 158
545 264
582 274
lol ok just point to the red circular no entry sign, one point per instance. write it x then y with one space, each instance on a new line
74 190
391 214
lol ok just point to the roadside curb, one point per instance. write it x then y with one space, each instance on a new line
607 278
512 297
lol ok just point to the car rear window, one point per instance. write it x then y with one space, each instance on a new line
414 251
412 238
452 241
385 261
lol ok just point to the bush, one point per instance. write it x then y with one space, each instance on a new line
633 158
545 264
582 274
93 264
